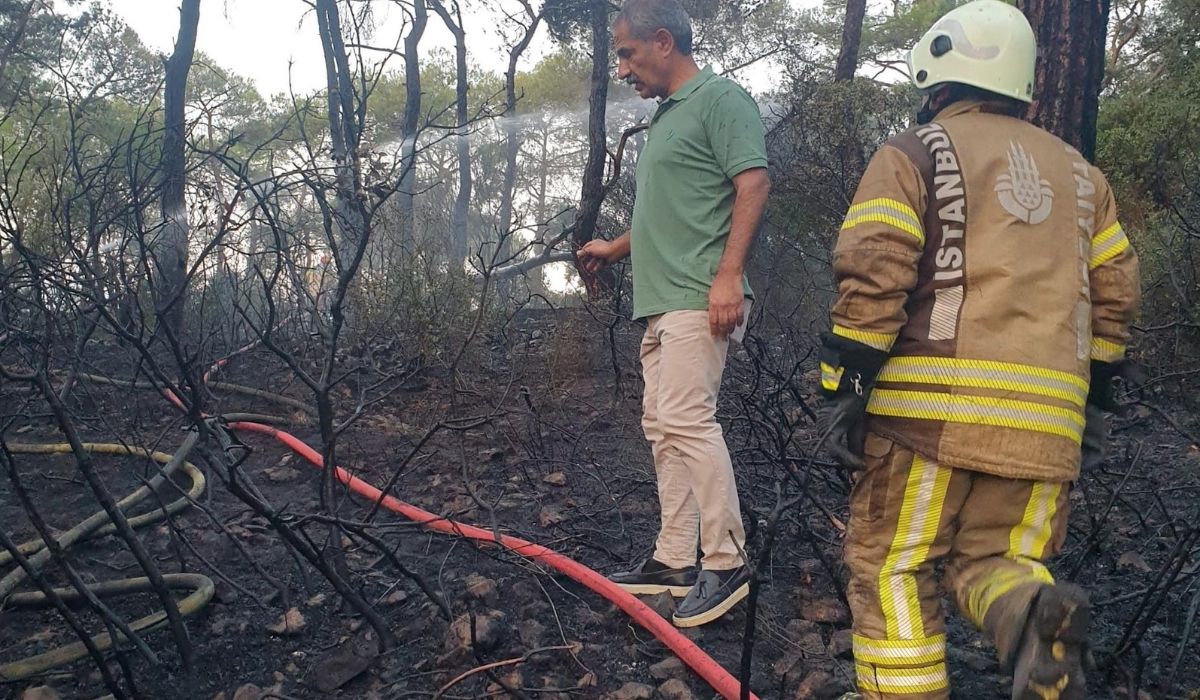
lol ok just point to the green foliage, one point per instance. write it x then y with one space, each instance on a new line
1149 146
558 81
820 136
568 20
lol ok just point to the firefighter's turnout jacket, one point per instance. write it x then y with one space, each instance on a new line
984 255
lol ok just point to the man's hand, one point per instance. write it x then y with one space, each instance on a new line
596 254
725 304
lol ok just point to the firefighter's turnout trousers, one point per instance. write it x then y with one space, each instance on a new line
907 513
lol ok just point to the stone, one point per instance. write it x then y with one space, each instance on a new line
279 475
789 668
290 624
535 609
489 631
1133 560
830 610
550 516
973 660
797 628
396 597
555 479
482 589
675 689
841 644
531 633
248 692
670 667
817 685
40 692
343 663
632 691
812 644
661 603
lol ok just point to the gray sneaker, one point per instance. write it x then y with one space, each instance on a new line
653 577
713 595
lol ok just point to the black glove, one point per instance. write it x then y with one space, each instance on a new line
840 421
1100 389
1100 399
1095 436
848 371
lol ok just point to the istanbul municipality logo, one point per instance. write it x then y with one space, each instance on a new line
1022 191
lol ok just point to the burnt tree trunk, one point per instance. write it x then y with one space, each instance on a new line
344 135
847 60
412 122
850 151
1071 38
347 228
459 239
512 139
592 195
593 174
170 247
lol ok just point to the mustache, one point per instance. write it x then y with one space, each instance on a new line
630 80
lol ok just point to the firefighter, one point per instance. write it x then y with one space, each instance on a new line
985 290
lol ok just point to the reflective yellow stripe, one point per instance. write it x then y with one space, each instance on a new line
831 377
920 512
999 583
901 680
1106 351
978 410
1028 539
1026 545
891 212
1107 245
879 341
986 374
899 652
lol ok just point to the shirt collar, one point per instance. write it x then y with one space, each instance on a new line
964 107
685 91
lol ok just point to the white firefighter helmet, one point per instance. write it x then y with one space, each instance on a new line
986 43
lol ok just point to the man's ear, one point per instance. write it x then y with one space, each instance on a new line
664 43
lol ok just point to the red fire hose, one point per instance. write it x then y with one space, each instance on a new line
703 664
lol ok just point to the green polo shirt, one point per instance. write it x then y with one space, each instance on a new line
703 135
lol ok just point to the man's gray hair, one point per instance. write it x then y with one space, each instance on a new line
645 17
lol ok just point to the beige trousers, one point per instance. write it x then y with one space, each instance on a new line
906 514
682 364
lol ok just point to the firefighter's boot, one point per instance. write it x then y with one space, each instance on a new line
1046 645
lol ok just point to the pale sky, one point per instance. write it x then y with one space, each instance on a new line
258 38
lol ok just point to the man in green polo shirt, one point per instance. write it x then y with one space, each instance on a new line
701 189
